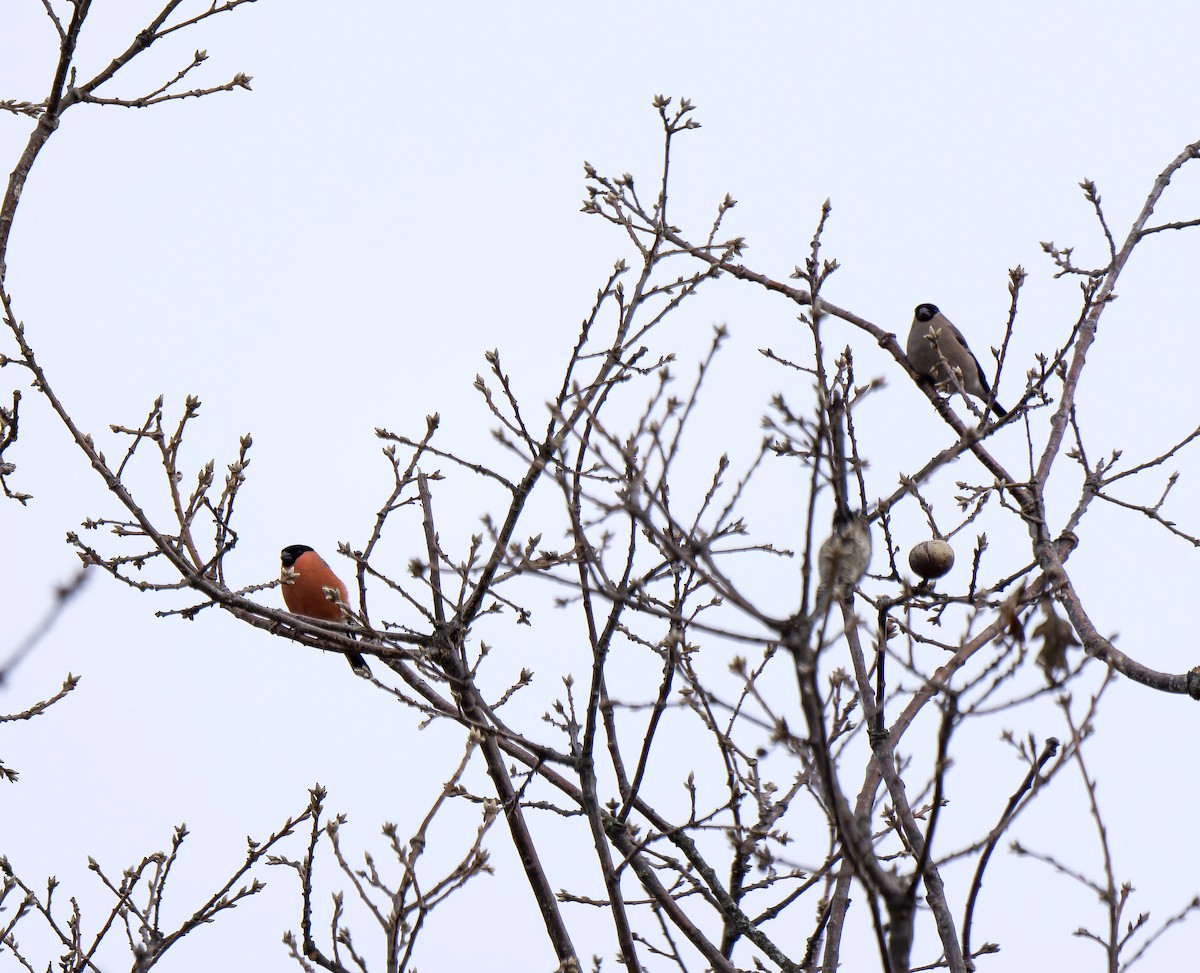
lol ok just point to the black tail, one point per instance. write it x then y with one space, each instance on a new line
358 663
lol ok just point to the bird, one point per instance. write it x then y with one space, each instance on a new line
924 358
842 560
304 577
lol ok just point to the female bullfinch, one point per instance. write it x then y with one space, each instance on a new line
927 320
305 576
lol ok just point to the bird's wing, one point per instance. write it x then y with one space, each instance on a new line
967 348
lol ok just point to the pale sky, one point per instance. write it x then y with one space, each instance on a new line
335 251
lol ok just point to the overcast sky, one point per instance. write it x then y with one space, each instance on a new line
335 250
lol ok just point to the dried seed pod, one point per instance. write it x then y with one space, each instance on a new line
931 559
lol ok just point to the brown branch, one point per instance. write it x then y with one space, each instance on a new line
1006 818
1087 333
63 594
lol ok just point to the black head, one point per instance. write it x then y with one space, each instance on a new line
290 555
927 312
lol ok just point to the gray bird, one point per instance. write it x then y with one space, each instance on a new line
842 560
953 347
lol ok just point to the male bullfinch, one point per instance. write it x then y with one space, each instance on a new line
305 577
953 347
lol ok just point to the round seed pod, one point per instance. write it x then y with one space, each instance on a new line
931 559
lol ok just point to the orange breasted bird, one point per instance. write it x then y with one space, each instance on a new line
305 577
